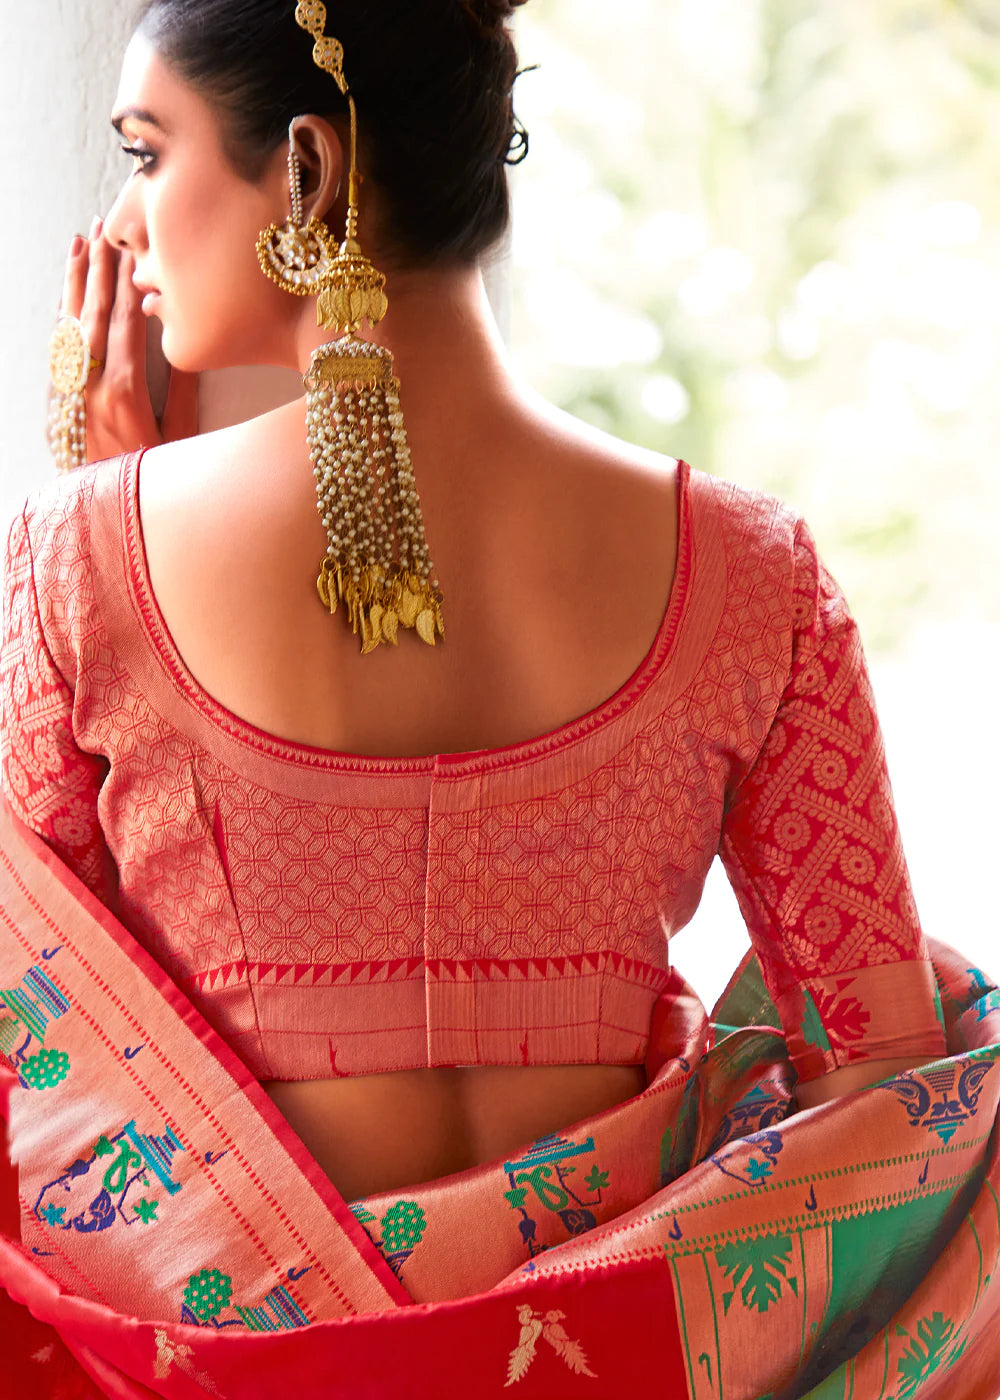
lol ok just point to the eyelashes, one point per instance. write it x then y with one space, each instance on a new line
146 158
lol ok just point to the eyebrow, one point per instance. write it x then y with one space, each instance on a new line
136 114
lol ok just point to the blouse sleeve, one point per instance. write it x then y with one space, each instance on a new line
811 847
50 782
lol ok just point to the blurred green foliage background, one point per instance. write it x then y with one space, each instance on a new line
764 236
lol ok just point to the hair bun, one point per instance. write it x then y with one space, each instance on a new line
490 15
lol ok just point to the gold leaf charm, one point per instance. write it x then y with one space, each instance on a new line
354 291
370 636
389 625
375 616
425 626
409 607
354 612
324 308
327 585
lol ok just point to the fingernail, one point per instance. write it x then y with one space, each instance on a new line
96 227
76 247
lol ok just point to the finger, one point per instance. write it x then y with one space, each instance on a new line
75 279
180 413
126 347
100 295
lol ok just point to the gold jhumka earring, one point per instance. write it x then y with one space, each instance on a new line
377 562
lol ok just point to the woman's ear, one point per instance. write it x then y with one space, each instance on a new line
324 164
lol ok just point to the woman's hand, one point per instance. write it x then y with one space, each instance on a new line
99 291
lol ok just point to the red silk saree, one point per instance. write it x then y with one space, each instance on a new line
163 1232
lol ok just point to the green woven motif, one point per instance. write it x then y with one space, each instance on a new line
813 1030
926 1352
596 1180
758 1268
208 1293
403 1226
46 1069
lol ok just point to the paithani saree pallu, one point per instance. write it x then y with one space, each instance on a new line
165 1233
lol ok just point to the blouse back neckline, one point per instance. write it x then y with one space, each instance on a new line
157 635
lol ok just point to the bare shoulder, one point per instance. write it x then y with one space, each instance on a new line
248 450
621 463
619 498
229 490
590 523
549 494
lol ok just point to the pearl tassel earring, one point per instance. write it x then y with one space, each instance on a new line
377 565
377 562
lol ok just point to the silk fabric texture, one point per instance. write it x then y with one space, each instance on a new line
336 914
172 1237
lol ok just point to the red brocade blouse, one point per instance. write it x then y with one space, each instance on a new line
331 914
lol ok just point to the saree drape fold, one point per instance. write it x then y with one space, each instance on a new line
163 1232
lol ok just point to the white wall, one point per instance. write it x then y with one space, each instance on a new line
58 74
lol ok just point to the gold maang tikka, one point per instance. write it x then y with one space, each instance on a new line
377 562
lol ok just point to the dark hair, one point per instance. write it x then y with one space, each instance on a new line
432 80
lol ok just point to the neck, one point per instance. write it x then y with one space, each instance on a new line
440 330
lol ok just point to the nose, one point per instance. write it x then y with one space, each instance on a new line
124 227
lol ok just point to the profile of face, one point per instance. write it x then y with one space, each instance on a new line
191 222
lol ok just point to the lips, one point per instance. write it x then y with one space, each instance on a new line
149 296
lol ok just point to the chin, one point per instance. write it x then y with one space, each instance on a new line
180 354
176 354
231 346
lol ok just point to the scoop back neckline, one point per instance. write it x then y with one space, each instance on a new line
157 635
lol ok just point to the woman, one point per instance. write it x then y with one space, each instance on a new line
256 969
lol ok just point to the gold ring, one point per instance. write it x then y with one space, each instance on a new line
70 360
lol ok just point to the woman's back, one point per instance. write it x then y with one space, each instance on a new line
424 897
556 552
555 557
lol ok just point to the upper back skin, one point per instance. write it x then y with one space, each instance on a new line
555 550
